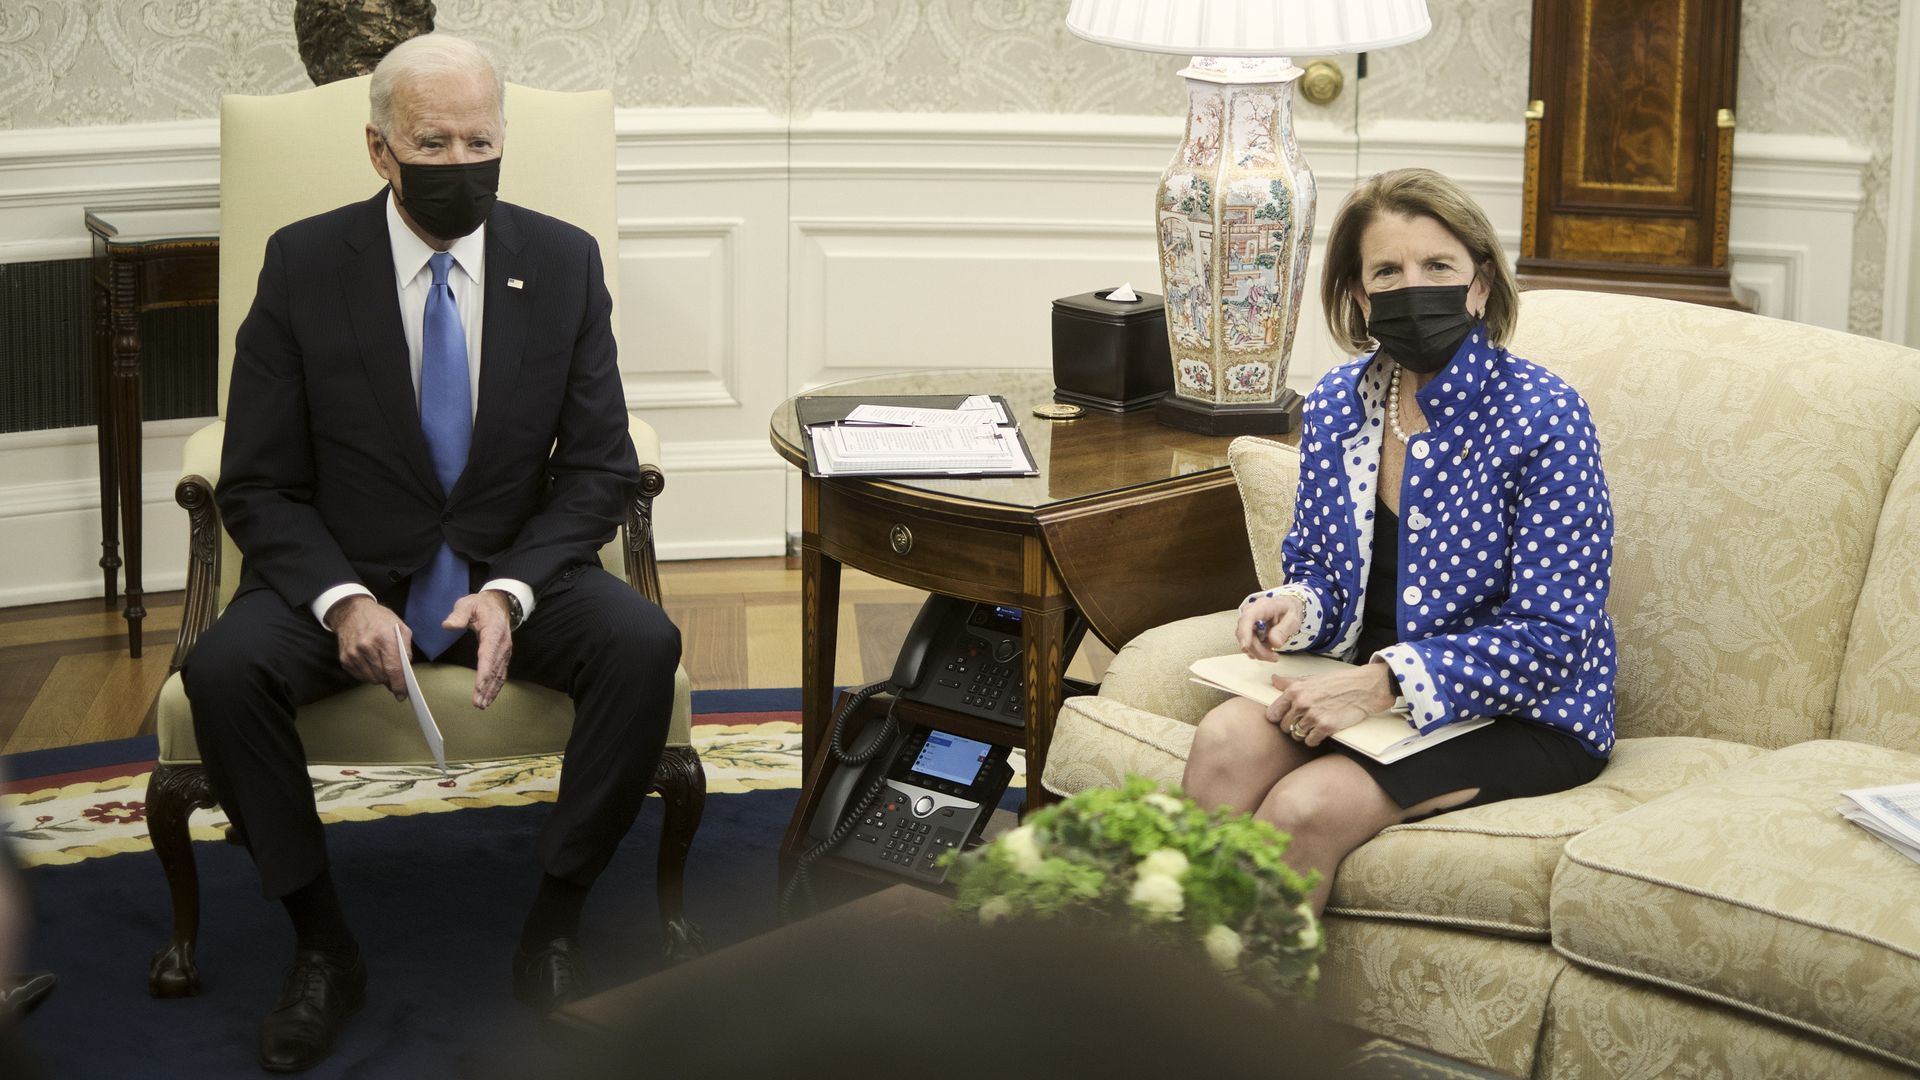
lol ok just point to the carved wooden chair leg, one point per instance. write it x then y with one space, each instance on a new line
682 784
173 793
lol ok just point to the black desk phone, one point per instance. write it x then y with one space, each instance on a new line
935 793
908 795
967 657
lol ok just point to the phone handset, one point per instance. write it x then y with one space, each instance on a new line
938 613
845 800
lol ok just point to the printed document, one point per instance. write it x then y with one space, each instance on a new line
842 449
1891 813
974 412
419 702
1385 737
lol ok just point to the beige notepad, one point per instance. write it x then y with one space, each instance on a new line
1385 737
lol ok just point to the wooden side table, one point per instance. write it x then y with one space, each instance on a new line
1131 523
143 260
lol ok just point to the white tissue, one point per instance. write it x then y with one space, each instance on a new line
1124 294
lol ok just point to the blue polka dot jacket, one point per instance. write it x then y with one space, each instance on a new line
1506 541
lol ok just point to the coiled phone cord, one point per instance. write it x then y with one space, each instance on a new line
800 883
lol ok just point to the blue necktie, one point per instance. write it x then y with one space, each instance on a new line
446 418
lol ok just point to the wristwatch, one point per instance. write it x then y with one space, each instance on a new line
515 616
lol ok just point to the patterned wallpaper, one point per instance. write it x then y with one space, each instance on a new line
1821 68
1829 68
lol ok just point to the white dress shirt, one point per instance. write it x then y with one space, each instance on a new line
413 277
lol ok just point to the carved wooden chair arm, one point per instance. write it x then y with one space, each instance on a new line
195 495
643 570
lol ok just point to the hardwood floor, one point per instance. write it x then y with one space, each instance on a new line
65 677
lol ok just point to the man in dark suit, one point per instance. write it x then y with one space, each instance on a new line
426 447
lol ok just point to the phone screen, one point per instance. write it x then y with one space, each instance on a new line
951 757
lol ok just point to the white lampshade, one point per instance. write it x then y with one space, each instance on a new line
1250 27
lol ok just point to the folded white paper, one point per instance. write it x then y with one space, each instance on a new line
1124 294
1892 813
424 715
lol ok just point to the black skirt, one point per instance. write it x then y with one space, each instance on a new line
1508 759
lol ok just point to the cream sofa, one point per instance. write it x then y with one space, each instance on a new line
1700 910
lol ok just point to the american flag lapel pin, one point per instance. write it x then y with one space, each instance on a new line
515 283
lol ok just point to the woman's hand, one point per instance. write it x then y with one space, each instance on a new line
1311 709
1280 614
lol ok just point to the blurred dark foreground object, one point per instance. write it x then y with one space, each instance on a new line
880 987
21 994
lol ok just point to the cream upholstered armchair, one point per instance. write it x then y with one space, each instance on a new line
287 157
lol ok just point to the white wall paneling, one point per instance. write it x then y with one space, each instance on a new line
703 312
48 176
1900 311
50 513
761 257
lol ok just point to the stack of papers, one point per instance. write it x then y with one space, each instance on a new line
1385 737
1890 813
873 438
976 411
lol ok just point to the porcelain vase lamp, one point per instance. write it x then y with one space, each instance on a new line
1234 211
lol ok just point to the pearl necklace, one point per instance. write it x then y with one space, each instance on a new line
1393 404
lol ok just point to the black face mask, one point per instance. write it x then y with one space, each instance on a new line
449 201
1420 327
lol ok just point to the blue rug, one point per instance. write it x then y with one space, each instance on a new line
437 901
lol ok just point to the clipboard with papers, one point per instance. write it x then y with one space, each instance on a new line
912 435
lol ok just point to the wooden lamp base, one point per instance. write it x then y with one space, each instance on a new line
1262 418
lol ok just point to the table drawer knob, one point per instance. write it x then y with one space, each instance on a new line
901 538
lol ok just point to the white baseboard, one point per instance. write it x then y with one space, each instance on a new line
751 548
49 592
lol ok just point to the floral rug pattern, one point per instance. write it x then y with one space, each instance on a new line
92 819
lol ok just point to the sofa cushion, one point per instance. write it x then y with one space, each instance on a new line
1470 996
1099 742
1879 700
1151 674
1750 889
1485 868
1598 1025
1491 867
1749 460
1268 476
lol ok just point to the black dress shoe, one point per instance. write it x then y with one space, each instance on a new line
550 976
319 996
21 994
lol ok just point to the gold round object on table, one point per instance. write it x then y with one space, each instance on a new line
1058 410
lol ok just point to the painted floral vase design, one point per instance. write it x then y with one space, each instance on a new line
1235 214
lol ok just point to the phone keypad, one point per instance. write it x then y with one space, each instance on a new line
905 845
992 686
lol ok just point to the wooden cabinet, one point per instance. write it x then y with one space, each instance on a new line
1629 154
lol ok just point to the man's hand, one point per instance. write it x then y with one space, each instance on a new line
1282 616
1311 709
368 649
486 614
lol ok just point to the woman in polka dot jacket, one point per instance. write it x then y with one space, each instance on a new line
1452 539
